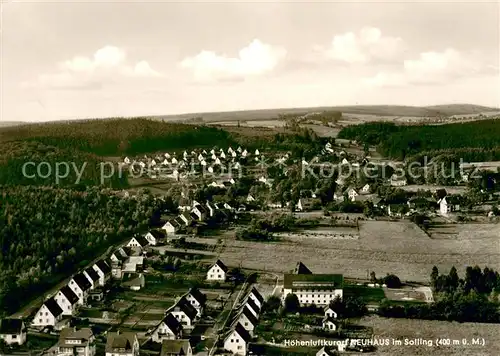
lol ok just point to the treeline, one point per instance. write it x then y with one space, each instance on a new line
48 233
402 141
112 137
472 299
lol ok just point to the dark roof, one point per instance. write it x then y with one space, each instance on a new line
243 333
119 256
257 295
84 334
141 240
11 326
221 265
93 274
193 216
440 193
199 296
179 221
175 223
53 307
82 281
301 268
103 266
186 307
246 312
69 294
201 208
452 199
172 323
174 347
157 234
121 340
313 281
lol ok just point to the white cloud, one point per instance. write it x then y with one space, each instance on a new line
107 64
256 59
434 68
367 45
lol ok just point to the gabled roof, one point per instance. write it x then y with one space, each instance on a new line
199 296
120 340
249 315
141 240
221 265
316 281
301 268
242 332
329 352
93 274
53 307
84 334
82 281
257 295
157 234
69 294
185 307
179 221
175 223
103 266
249 302
175 347
9 326
172 323
118 256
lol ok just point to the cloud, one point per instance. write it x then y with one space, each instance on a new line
108 64
367 45
435 68
255 59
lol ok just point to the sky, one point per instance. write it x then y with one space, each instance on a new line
124 58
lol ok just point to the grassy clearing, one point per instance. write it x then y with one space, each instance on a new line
368 294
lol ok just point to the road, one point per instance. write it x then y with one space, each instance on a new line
28 309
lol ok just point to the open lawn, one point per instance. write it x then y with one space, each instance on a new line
383 247
368 294
427 329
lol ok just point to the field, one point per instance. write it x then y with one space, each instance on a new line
425 329
449 189
383 247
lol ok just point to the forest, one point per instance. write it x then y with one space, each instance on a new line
48 233
477 140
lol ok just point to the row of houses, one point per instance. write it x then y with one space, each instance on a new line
86 284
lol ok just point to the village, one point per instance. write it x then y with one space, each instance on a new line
189 285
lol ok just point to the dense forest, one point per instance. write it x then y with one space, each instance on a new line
47 233
474 140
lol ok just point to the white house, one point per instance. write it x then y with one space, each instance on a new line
168 329
184 312
366 189
449 204
138 241
171 227
92 277
252 306
67 300
250 198
352 194
328 352
217 272
197 299
154 237
257 152
76 342
122 344
81 286
318 289
246 319
103 270
49 314
13 331
256 297
237 340
200 211
330 313
329 324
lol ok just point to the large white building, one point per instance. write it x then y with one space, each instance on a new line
317 289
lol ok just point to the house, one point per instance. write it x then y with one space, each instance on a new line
397 210
256 297
138 241
326 352
103 270
318 289
184 204
171 227
49 314
306 204
96 295
176 348
122 344
81 286
396 181
329 324
13 331
421 204
449 204
330 313
217 272
250 198
366 189
187 218
257 152
352 194
92 277
76 342
154 237
184 312
237 340
168 329
252 306
67 300
211 209
133 281
247 319
200 211
301 268
197 299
